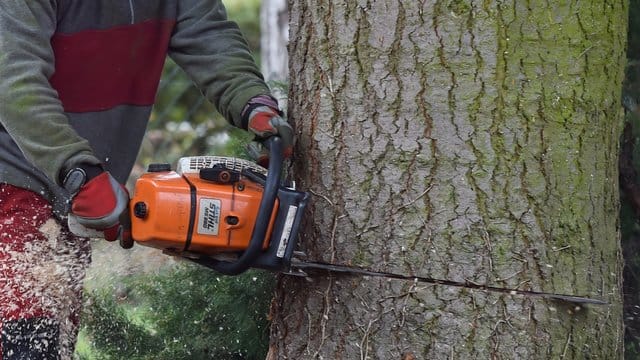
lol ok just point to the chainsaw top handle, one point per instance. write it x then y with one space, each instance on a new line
272 184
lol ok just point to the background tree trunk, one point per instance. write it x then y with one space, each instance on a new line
274 36
468 140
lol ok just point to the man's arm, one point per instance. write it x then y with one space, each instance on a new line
30 109
214 53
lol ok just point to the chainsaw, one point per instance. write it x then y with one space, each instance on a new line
231 215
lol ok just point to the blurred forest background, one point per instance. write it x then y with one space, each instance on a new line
144 305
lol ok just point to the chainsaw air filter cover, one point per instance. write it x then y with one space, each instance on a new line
206 206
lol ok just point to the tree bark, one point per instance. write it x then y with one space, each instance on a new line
467 140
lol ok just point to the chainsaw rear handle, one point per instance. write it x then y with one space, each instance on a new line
272 184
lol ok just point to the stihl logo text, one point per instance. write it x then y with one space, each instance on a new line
209 217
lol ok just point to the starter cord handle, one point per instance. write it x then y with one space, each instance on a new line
272 184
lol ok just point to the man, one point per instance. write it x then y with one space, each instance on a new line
77 82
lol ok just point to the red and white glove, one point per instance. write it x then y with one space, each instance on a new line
102 204
263 118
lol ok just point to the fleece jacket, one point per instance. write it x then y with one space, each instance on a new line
78 79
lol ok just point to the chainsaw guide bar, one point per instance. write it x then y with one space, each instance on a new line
305 267
231 215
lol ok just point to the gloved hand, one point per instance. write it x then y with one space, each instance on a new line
102 204
262 118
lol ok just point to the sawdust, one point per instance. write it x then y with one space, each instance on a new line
49 271
110 263
51 230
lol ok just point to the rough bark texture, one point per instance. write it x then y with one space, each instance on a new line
467 140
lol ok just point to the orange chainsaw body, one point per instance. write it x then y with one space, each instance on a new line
224 213
185 213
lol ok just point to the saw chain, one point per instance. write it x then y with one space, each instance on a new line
311 269
231 215
306 269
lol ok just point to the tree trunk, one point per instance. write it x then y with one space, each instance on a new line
467 140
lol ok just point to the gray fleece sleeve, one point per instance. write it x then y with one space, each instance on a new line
214 53
30 109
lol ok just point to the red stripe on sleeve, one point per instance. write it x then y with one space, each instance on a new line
100 69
